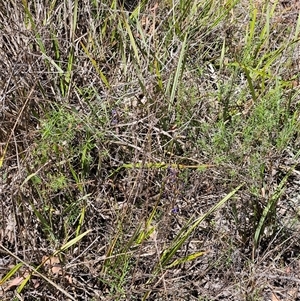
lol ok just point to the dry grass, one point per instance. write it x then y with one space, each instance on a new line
134 122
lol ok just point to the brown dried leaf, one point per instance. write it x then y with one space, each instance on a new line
16 281
274 297
53 265
56 270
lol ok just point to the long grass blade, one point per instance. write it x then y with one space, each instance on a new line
182 237
12 272
179 70
270 210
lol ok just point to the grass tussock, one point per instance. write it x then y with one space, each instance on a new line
149 150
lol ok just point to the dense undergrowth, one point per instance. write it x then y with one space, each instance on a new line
149 150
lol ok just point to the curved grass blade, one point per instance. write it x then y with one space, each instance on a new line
11 273
179 70
181 238
270 209
186 259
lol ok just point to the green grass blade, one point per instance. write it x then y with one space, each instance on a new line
132 41
269 210
23 283
52 62
81 219
68 73
250 37
32 24
71 242
136 12
12 271
179 70
185 259
182 237
250 82
95 65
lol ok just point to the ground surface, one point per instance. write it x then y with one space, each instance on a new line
149 151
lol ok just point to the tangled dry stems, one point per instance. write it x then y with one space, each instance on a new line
70 131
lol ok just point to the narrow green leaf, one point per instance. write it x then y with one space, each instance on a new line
71 242
51 61
94 63
132 41
186 259
23 283
81 220
270 207
190 227
178 72
12 271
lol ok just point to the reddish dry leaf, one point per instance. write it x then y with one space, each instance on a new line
69 278
36 283
54 267
52 263
15 282
56 270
